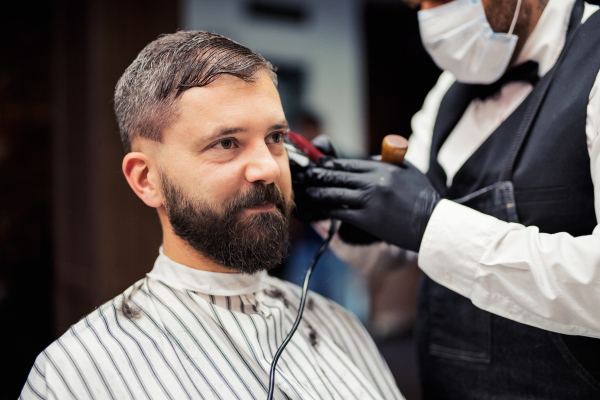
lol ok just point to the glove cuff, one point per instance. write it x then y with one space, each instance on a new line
426 202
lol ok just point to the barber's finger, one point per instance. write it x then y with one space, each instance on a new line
297 176
328 177
323 143
334 195
350 165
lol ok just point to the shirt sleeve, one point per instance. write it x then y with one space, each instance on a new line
550 281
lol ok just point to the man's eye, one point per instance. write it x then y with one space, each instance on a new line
226 144
277 137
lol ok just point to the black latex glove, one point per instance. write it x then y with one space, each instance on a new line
389 202
323 143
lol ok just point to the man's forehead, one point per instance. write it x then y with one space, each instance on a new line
228 105
231 81
227 88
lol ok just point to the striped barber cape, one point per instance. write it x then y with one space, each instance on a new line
182 333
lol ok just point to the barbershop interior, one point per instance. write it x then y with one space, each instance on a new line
72 233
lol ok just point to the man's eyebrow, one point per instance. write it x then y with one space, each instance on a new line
228 131
281 125
234 130
219 133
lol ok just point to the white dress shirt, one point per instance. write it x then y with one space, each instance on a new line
551 281
190 334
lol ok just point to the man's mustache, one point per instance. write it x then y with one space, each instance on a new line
258 195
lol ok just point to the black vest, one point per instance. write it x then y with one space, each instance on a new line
468 353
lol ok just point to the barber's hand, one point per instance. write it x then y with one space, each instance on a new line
389 202
309 211
347 232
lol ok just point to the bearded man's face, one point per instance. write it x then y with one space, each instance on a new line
240 242
224 173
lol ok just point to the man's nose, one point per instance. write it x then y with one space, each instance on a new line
261 166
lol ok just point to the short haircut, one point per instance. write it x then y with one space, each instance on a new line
146 96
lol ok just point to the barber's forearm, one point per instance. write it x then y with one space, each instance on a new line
548 281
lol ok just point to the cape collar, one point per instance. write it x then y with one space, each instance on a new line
213 283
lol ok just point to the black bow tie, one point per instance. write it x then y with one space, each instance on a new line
526 72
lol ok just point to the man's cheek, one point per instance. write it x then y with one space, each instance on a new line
285 179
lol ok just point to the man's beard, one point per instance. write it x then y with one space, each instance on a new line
243 243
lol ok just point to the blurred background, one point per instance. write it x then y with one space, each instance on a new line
72 233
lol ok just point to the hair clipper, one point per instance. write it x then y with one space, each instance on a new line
300 151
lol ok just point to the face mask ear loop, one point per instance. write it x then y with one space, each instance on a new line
516 16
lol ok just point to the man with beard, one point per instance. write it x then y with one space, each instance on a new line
203 128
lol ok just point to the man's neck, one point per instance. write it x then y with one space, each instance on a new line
529 15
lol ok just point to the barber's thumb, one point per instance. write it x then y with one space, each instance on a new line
323 143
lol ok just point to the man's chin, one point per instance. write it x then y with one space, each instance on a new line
248 265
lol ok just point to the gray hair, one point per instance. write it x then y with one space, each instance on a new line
146 96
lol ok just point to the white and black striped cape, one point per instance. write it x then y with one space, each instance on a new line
181 333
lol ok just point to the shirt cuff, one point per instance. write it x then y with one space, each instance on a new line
454 241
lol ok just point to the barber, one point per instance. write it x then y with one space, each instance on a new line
499 196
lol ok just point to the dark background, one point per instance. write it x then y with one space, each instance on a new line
72 233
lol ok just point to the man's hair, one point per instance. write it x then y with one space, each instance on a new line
146 96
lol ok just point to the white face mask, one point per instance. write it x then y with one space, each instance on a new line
460 40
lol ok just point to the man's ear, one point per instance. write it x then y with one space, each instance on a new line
142 179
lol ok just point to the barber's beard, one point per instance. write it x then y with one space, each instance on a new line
243 243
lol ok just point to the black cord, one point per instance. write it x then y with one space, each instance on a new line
311 266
